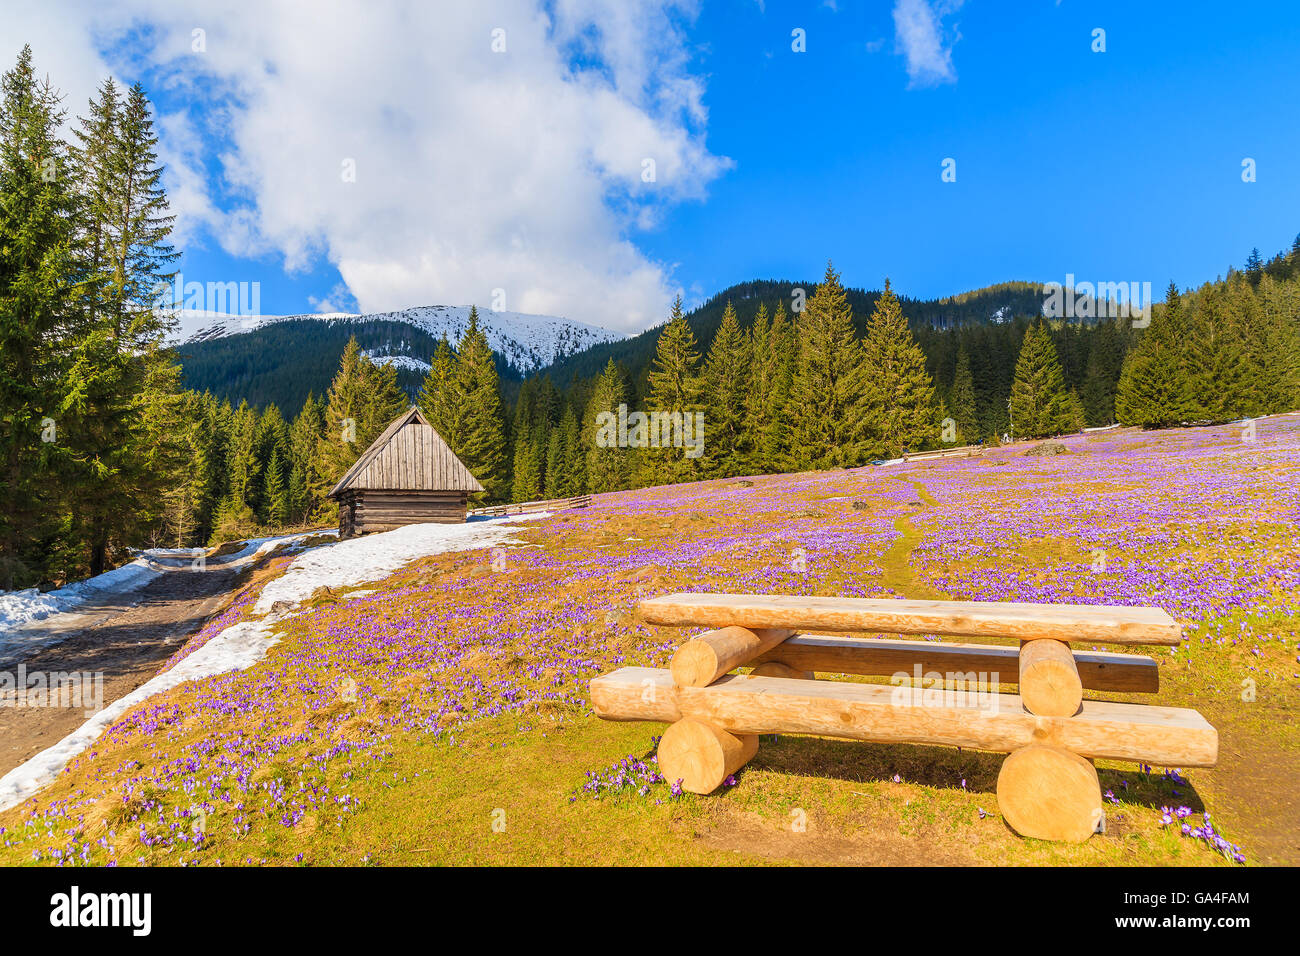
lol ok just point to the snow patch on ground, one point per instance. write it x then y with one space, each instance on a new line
242 645
234 648
30 620
374 556
19 608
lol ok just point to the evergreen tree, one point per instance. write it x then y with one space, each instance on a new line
1157 385
674 388
555 465
828 394
1105 361
363 400
440 398
481 443
899 391
774 438
1254 266
1275 346
962 402
37 215
762 379
727 395
1041 405
608 465
128 428
574 480
304 436
526 483
1217 355
276 492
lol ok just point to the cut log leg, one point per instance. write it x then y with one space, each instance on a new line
777 669
701 756
1050 794
1049 679
703 659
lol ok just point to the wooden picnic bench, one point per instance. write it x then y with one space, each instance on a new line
1048 786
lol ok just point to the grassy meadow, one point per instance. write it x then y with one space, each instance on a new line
439 716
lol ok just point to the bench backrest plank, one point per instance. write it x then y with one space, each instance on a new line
1098 670
1064 622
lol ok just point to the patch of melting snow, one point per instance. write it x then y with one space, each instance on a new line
242 645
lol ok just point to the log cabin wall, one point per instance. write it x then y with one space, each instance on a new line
365 510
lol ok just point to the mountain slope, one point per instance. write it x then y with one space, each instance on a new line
279 359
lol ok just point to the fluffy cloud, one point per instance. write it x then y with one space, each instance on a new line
520 168
918 25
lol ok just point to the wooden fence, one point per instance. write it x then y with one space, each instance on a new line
525 507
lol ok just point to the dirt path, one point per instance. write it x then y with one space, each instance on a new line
124 641
896 563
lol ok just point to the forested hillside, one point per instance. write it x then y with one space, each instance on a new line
281 363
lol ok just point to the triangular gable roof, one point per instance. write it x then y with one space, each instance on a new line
409 456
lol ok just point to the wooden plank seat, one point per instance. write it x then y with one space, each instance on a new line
941 693
1085 623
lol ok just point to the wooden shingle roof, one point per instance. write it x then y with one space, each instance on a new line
409 456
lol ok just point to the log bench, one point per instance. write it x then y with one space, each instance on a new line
940 693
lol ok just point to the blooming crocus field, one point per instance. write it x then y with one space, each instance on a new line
440 715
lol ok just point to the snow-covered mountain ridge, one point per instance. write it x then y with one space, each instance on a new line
527 342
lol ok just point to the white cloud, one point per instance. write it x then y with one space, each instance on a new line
475 170
918 26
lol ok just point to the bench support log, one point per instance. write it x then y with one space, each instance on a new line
705 658
701 755
1050 794
1049 679
1168 736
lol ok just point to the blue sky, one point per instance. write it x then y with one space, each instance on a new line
519 170
1117 165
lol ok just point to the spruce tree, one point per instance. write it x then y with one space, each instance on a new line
1275 346
363 400
828 394
37 217
555 465
574 480
1105 361
482 442
441 398
276 491
899 390
762 378
1041 405
774 440
128 429
1158 387
608 464
727 396
526 479
674 388
305 434
962 400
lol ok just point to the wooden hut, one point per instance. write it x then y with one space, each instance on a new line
407 476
